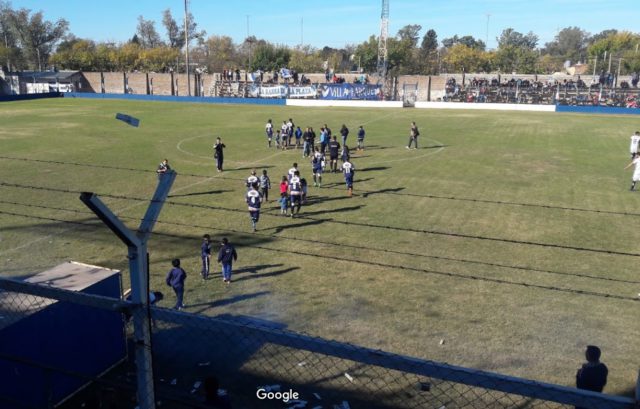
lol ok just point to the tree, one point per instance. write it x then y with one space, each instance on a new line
219 53
147 34
367 53
428 51
174 34
36 36
75 54
126 57
10 53
602 35
410 34
468 41
570 44
510 37
461 57
306 59
158 59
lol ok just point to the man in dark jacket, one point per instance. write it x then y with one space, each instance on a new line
175 279
593 374
226 256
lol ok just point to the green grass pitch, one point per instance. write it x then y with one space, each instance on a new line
511 236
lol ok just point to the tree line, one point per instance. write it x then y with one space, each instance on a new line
29 42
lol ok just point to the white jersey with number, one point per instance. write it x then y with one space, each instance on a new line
269 128
635 139
253 200
347 168
292 172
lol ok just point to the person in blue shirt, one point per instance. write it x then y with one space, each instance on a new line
295 193
175 279
205 254
298 134
361 138
226 256
254 200
324 139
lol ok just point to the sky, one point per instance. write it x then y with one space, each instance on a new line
336 23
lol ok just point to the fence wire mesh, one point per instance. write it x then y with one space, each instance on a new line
245 355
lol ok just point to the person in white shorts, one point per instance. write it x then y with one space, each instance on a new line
636 171
635 139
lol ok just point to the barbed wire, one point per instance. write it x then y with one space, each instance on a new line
378 264
364 191
352 223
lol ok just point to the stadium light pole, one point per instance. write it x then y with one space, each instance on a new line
186 43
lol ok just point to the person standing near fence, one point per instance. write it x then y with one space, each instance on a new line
592 376
175 280
218 153
226 256
413 135
205 254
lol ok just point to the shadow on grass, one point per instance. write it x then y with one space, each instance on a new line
340 210
210 192
269 274
374 168
375 192
219 303
284 227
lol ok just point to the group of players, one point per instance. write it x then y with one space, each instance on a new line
294 187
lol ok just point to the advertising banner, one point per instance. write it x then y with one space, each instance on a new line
302 92
351 91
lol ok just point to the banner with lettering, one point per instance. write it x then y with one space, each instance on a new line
279 91
351 91
302 92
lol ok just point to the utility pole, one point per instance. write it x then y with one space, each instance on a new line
186 43
302 32
487 33
250 41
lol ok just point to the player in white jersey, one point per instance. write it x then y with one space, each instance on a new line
295 193
635 140
254 200
268 129
284 133
292 171
636 171
348 170
253 181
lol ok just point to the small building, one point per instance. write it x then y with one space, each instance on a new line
36 82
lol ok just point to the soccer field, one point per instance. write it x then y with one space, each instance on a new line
513 237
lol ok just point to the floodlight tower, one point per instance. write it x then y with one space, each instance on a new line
382 41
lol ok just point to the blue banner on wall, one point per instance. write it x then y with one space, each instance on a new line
351 91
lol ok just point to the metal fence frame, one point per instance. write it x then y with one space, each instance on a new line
332 349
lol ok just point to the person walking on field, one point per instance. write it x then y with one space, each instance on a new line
361 138
413 136
265 185
635 140
218 153
226 256
205 254
348 170
163 168
636 171
254 200
344 131
268 129
175 279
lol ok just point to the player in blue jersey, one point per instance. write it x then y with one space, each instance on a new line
348 170
334 151
254 200
205 254
295 193
317 166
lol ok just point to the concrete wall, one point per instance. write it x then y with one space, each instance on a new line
338 103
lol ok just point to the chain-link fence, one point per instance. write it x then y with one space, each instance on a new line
250 359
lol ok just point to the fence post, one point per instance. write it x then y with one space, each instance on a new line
138 267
